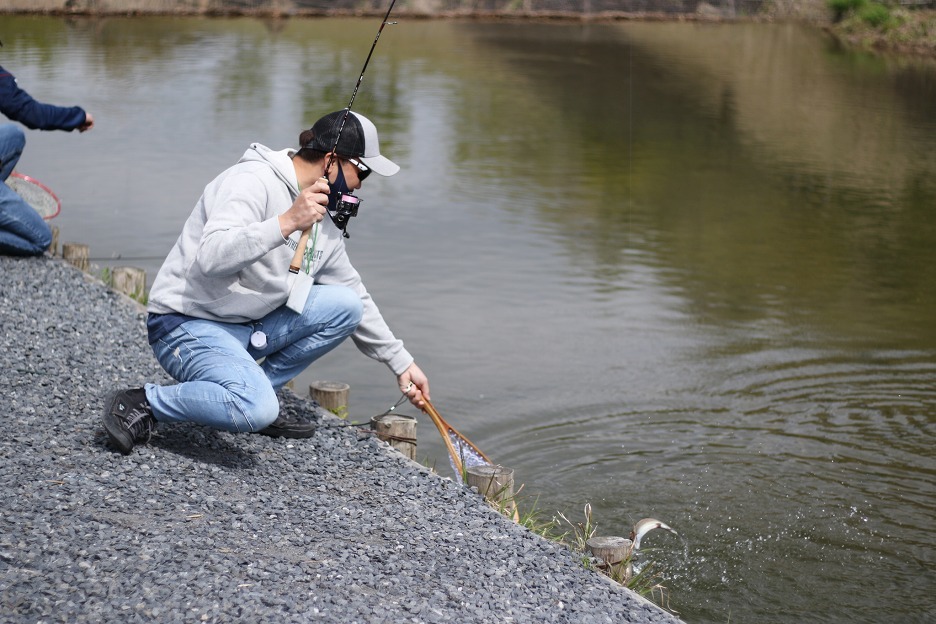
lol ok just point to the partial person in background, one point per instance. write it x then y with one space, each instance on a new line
23 232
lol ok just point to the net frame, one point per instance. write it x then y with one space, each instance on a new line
39 196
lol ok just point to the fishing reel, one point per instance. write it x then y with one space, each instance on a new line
345 208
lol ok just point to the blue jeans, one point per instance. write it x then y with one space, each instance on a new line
222 385
22 230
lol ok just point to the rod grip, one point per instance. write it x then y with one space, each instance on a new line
296 263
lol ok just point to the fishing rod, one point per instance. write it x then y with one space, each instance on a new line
347 205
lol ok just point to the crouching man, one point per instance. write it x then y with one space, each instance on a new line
218 321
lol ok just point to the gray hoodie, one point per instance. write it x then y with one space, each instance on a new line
231 262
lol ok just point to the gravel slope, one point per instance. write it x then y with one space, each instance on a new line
206 526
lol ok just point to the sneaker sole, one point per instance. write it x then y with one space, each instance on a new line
119 436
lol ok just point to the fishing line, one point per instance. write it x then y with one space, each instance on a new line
400 402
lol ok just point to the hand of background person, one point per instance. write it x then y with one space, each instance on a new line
88 123
309 208
415 385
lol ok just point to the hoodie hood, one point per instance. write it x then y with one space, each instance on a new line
278 160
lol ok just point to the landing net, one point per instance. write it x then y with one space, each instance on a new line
36 194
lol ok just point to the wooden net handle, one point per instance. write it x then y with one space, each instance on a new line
441 425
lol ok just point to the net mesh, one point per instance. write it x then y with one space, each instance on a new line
35 194
466 453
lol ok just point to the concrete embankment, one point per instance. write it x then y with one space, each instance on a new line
201 525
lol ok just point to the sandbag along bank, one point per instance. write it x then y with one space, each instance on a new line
206 526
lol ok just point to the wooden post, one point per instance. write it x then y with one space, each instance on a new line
398 430
130 281
332 395
614 553
495 484
53 248
77 255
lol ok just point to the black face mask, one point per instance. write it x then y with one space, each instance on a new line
342 204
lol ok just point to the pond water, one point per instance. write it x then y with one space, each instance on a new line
685 271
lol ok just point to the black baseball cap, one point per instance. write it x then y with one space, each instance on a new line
358 140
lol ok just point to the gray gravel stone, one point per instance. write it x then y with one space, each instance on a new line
207 526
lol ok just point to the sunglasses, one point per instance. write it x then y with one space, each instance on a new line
363 170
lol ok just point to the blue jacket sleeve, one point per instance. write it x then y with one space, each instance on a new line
20 106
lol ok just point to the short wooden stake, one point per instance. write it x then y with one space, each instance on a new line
130 281
495 484
332 395
77 255
53 248
398 430
614 553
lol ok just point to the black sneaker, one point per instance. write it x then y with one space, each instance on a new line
128 419
284 427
